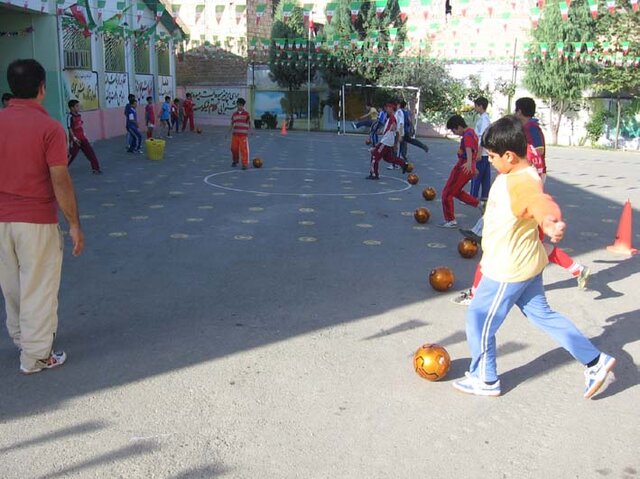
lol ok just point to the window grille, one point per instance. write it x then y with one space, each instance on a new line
76 47
141 57
163 60
114 54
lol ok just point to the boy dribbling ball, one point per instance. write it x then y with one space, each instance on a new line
512 263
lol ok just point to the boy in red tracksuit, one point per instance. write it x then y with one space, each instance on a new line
385 149
239 128
462 172
188 113
77 139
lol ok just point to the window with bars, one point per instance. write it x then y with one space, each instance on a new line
141 57
76 47
114 54
162 53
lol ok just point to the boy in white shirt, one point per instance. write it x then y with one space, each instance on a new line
386 149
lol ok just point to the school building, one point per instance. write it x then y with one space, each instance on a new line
95 51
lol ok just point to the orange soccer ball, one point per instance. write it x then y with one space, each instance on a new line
422 215
413 179
441 278
198 130
257 163
467 248
367 141
431 362
429 193
410 167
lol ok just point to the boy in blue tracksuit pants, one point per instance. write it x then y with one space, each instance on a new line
135 141
512 262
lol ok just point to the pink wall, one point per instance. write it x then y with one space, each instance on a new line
110 122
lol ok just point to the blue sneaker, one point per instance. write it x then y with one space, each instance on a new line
473 385
596 375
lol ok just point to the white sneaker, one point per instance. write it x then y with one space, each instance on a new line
472 385
57 358
595 376
463 299
448 224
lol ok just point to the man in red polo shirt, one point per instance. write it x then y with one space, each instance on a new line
34 182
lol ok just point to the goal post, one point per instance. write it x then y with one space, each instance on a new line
354 96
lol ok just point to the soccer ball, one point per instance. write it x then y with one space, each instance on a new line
441 278
367 141
429 193
257 163
431 362
422 215
413 179
410 167
467 248
198 130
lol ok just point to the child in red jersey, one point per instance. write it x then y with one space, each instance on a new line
385 149
149 117
188 113
239 129
462 172
77 139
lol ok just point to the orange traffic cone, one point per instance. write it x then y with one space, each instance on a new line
283 130
622 244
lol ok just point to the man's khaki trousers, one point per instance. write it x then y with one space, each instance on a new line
30 268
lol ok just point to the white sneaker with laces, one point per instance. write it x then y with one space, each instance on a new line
473 385
448 224
595 376
463 299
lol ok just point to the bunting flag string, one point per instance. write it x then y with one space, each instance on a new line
17 33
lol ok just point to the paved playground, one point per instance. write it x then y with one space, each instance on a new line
261 324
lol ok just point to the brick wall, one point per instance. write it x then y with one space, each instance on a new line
224 69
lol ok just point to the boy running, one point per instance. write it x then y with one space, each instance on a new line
165 114
77 139
135 137
385 150
462 172
512 263
188 113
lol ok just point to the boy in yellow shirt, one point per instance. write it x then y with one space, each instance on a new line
512 262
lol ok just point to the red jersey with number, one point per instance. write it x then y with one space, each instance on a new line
26 154
240 122
74 123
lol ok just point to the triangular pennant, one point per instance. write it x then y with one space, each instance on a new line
260 9
219 12
355 10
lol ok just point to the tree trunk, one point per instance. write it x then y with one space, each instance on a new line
555 125
619 114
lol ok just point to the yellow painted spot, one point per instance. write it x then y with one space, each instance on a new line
87 217
194 220
117 234
243 237
420 228
349 197
256 208
205 207
91 189
155 207
133 191
306 210
407 213
306 223
179 236
436 245
307 239
176 193
372 242
108 205
394 198
141 217
357 212
249 221
364 225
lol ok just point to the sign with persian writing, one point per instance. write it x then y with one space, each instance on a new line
82 85
143 88
215 101
116 89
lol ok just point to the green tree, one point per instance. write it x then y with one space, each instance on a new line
288 55
552 76
440 94
354 47
621 33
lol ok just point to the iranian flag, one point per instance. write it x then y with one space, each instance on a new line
219 12
405 6
544 48
355 10
426 6
199 11
593 8
380 6
564 10
611 5
101 4
331 11
260 9
464 7
634 5
287 10
307 13
535 16
393 33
